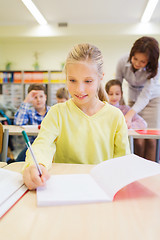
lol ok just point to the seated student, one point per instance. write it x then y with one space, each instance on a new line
32 111
115 95
62 95
85 129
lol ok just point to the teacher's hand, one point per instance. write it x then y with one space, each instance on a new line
129 116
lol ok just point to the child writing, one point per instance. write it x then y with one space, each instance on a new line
62 95
115 94
32 111
85 129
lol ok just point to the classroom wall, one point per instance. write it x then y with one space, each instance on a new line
52 51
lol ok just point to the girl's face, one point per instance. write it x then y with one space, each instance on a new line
114 94
139 60
83 82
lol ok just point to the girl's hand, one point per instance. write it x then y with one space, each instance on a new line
32 179
128 117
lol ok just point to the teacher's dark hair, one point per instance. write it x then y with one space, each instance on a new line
150 47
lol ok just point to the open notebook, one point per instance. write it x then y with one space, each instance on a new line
101 185
12 189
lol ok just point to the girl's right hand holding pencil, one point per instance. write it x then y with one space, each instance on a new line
32 178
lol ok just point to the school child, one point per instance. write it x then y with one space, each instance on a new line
85 129
32 111
115 95
62 95
141 69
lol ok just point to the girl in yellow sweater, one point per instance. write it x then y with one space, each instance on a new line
84 129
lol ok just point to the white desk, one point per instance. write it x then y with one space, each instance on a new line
136 219
33 131
2 119
17 130
134 135
3 164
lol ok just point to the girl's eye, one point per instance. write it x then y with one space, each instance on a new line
88 81
72 80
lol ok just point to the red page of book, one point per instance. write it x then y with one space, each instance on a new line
133 190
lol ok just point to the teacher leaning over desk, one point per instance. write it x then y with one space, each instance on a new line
141 70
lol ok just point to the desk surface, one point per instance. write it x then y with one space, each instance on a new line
126 219
17 130
2 164
32 130
2 118
134 134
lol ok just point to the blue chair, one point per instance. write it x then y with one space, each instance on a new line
4 115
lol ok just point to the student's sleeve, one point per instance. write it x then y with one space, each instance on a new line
121 142
146 93
44 146
145 96
21 117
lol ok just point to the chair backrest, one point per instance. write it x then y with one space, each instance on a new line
4 135
1 137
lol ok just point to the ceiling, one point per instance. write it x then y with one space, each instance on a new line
78 14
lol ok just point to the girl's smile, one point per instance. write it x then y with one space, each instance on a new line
81 97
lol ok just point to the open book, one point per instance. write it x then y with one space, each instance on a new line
101 185
12 189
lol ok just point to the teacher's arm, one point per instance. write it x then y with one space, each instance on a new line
129 116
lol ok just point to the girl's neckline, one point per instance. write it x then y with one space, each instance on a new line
85 114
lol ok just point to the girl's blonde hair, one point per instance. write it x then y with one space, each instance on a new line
90 53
